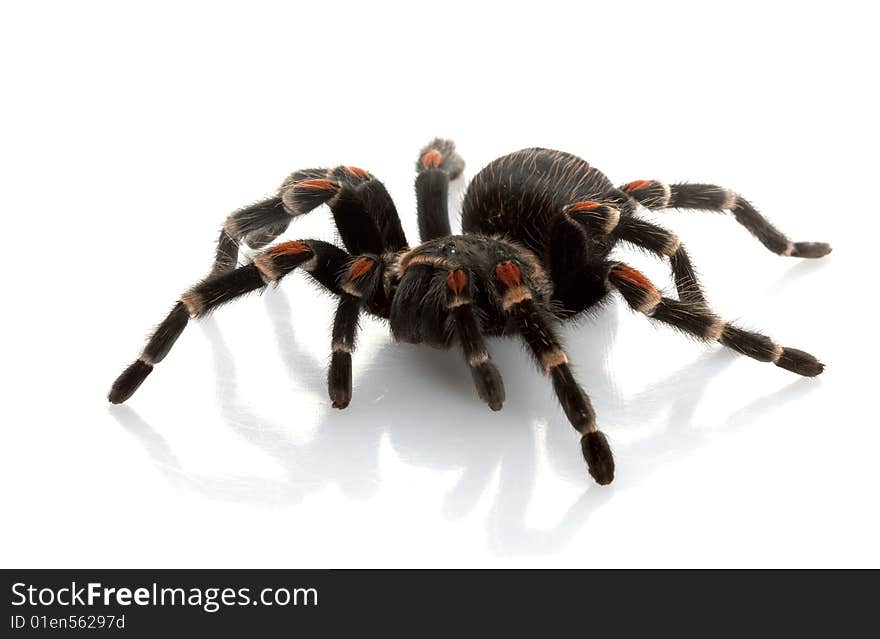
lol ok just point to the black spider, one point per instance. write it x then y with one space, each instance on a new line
539 226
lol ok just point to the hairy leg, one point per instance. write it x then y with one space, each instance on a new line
657 195
536 325
437 165
322 260
466 325
700 322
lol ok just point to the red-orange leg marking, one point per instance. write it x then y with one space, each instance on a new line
456 281
638 185
357 172
508 274
584 206
636 289
321 184
289 248
432 159
632 276
360 267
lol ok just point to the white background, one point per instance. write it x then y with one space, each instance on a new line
130 130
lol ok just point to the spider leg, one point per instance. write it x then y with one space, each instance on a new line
699 321
536 326
259 224
659 195
657 240
437 165
576 271
323 261
256 225
367 222
361 278
362 209
466 325
610 215
345 326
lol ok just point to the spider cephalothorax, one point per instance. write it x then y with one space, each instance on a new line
538 230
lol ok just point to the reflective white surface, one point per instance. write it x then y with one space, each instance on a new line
132 136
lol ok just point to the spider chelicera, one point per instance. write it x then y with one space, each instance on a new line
538 230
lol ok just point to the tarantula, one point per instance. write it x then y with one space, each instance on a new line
538 230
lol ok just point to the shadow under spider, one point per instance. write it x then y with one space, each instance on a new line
459 434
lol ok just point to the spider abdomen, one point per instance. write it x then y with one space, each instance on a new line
520 194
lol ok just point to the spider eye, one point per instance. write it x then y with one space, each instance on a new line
446 248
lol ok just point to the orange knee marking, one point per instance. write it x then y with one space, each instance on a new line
509 274
587 205
290 248
360 267
456 281
321 184
357 172
629 274
638 185
432 159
